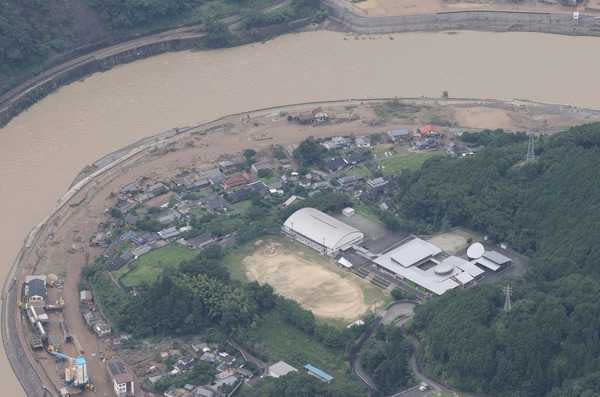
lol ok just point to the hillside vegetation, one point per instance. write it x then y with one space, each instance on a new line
549 344
37 33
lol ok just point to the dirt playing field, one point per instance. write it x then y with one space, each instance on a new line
322 290
452 242
413 7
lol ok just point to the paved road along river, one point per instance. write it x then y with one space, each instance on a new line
42 149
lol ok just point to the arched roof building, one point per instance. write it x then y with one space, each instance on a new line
321 231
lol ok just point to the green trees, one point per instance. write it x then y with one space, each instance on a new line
549 343
297 385
310 153
385 358
218 35
127 13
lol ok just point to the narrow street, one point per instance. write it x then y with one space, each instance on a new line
398 311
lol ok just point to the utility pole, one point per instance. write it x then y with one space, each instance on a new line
507 302
530 149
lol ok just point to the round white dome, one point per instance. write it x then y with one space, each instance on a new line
475 251
443 268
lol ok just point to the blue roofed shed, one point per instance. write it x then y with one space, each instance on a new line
317 373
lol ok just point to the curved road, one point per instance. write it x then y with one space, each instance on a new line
393 312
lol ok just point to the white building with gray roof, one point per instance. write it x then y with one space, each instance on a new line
420 262
321 231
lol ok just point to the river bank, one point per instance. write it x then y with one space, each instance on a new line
49 247
341 16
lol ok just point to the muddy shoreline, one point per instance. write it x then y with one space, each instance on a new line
94 178
340 17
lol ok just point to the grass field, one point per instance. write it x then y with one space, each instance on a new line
148 267
281 341
405 161
359 170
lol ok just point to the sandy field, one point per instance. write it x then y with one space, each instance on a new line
315 287
482 117
413 7
452 242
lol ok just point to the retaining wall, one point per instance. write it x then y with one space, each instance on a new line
495 21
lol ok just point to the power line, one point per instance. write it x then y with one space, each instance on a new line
530 149
507 301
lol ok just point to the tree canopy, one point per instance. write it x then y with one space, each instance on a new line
548 345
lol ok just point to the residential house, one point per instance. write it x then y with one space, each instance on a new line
215 176
362 142
377 183
229 166
141 250
168 217
349 180
203 391
335 164
122 378
429 130
399 134
236 180
336 142
85 296
201 241
122 259
262 165
215 204
238 195
36 290
169 233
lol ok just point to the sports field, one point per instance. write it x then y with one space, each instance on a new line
313 281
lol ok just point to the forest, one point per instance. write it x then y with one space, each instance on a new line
37 33
549 343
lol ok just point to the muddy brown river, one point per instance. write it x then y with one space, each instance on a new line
42 149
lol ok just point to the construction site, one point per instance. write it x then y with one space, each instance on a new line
53 344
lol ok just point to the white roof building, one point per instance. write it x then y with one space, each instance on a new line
280 368
321 231
413 252
438 276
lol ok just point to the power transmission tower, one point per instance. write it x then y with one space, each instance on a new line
507 302
531 149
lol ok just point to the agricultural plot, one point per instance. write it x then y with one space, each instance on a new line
405 161
148 267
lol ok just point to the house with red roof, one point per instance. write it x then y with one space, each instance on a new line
237 180
429 129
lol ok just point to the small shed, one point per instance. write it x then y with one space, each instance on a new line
318 373
280 368
85 296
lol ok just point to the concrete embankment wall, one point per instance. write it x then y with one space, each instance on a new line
495 21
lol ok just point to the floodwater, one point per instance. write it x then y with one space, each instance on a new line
43 149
